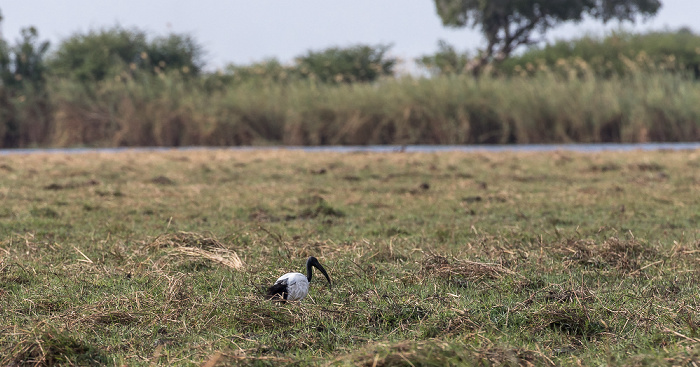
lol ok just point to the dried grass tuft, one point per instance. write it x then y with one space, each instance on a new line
50 348
254 314
222 256
198 246
462 270
381 354
626 255
572 320
429 353
511 357
458 324
582 295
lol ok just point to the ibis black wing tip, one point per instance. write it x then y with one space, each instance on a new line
278 292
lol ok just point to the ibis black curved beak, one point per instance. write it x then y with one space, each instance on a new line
312 261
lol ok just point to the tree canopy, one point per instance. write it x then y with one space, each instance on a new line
23 63
507 24
353 64
99 54
360 63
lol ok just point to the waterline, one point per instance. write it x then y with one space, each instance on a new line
590 148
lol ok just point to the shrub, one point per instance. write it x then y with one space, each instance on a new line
360 63
445 61
106 53
620 53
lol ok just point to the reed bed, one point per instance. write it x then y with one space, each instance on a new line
168 110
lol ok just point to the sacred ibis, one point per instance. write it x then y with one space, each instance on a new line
295 286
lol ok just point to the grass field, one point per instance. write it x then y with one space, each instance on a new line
525 259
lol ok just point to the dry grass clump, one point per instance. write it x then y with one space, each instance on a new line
222 256
456 324
498 356
433 352
461 271
255 313
50 348
113 317
625 255
198 246
569 295
688 356
380 355
570 319
242 358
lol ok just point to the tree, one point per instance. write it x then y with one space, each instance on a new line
98 54
446 61
24 105
507 24
618 53
266 71
361 63
25 61
177 52
104 53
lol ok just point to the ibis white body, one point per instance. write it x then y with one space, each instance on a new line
297 285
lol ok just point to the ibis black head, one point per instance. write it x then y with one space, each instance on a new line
312 261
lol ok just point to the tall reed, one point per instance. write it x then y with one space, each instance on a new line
169 110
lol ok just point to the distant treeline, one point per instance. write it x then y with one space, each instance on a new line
118 87
617 54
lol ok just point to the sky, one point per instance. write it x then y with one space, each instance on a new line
243 32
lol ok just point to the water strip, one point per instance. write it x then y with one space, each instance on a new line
590 148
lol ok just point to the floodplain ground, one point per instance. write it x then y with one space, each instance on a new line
162 258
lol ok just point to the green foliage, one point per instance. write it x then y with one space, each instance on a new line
176 52
24 102
98 54
105 53
620 53
24 62
334 65
509 24
266 71
445 61
360 63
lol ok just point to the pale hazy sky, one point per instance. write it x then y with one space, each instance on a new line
246 31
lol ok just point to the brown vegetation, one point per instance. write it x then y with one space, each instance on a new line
170 111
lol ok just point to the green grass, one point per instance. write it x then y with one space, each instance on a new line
452 258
